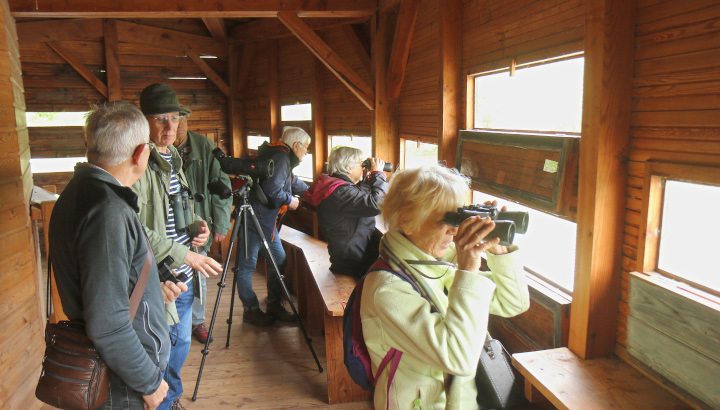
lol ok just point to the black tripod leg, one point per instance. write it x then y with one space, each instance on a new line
282 283
242 211
221 286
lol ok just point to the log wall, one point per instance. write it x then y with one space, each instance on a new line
21 339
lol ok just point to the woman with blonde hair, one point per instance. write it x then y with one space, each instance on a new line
441 337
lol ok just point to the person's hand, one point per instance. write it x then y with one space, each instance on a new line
218 237
203 264
203 233
154 400
470 244
497 249
376 164
294 203
172 291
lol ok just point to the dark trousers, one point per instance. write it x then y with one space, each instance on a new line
121 396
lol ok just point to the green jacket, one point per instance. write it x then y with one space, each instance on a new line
201 168
154 203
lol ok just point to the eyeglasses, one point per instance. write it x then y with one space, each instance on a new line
163 119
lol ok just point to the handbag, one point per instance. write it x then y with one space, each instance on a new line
495 380
74 375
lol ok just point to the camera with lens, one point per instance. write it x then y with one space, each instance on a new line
387 168
258 168
166 274
507 223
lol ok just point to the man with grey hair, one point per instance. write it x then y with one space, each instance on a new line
346 206
98 249
280 190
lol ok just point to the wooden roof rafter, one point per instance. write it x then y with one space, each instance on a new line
191 8
216 27
81 68
270 29
401 46
332 61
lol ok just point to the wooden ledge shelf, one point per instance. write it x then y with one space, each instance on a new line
569 382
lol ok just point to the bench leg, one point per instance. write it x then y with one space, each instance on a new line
341 388
533 395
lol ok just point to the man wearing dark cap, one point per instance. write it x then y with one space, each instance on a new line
171 225
201 168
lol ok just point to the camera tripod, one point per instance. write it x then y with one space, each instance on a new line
240 216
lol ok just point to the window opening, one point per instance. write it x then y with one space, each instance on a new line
56 119
296 112
418 154
362 143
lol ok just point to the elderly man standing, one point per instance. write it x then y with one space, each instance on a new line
280 190
201 168
162 210
98 249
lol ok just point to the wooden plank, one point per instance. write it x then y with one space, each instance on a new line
331 60
209 72
112 63
341 387
269 29
170 39
274 90
216 27
450 83
192 9
59 30
359 44
386 144
404 28
572 383
236 118
601 187
81 68
320 141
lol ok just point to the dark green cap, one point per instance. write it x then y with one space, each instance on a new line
159 99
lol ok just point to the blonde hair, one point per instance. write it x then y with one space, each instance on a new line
418 194
342 157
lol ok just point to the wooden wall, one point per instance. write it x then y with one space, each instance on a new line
256 100
21 339
675 106
52 85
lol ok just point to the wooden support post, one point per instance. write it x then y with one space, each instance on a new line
236 116
609 51
320 142
451 66
401 46
334 63
274 91
359 44
79 67
386 143
112 62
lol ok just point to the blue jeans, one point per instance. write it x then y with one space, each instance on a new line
247 267
198 309
179 347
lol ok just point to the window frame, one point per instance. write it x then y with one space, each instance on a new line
657 173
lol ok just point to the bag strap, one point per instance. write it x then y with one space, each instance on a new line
137 293
391 354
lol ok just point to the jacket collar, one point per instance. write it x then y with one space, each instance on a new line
86 171
160 162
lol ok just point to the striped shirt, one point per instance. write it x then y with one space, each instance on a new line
170 231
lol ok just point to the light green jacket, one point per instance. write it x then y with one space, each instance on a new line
200 169
437 346
154 203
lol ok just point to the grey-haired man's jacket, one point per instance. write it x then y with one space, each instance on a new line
201 168
154 204
98 249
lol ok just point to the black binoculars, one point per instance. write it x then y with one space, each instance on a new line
387 168
180 203
166 274
506 223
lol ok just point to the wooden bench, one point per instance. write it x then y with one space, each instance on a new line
321 299
569 382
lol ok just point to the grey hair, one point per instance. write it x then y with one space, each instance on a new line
291 135
342 157
113 131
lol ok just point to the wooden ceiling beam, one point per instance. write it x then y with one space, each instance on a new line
170 39
209 72
271 29
79 67
190 8
359 44
216 27
60 30
401 46
386 5
332 61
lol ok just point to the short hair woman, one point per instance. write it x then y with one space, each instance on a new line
441 341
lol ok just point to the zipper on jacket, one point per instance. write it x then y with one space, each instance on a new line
150 332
